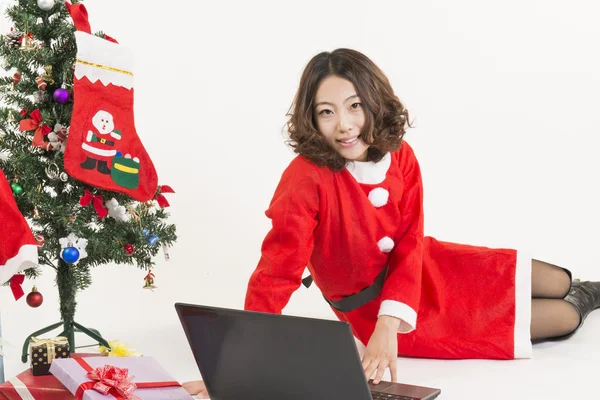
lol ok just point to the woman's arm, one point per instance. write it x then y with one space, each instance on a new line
287 248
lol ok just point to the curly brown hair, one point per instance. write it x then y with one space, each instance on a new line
386 118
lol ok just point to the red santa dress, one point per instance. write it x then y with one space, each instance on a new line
454 300
18 249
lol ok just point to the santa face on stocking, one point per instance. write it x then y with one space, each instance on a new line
99 146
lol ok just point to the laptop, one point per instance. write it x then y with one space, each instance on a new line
252 355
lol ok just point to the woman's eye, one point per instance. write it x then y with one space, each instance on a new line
326 111
356 105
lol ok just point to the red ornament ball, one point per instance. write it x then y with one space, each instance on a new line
35 298
129 249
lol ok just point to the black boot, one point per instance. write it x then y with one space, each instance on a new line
89 163
103 167
584 297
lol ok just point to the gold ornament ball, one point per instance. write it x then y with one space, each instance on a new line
45 5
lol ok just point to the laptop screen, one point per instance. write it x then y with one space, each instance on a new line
246 355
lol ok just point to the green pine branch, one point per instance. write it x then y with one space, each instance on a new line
52 206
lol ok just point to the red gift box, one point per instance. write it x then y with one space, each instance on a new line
25 386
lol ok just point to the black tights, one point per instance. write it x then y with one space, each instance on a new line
551 316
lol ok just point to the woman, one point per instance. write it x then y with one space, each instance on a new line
350 208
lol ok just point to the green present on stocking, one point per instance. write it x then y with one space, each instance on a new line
125 171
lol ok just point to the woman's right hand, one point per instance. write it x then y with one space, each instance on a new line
196 388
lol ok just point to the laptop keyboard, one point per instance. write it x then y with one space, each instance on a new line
386 396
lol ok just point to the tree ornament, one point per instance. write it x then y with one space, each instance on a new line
129 249
73 248
39 240
16 188
151 239
41 96
166 252
70 254
27 43
47 75
61 95
45 5
34 298
13 39
149 281
117 211
36 214
53 173
41 83
57 138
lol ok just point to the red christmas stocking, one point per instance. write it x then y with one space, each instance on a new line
103 148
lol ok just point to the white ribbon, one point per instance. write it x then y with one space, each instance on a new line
21 389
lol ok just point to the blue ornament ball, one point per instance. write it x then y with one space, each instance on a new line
70 255
152 239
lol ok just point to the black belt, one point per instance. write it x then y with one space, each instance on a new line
102 140
356 300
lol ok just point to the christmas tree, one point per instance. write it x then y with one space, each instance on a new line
79 174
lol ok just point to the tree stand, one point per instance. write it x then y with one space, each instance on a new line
67 290
69 332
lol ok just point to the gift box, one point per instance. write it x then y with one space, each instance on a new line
82 355
26 386
106 378
44 351
125 171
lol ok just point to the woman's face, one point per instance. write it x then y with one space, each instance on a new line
340 117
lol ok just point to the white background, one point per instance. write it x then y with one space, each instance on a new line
505 98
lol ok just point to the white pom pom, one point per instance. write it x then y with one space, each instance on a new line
386 244
379 197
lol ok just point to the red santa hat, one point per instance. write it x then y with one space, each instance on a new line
18 249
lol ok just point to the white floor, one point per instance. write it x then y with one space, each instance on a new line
559 370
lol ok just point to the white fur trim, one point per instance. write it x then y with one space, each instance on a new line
100 152
386 244
115 135
402 311
370 172
27 257
379 197
95 50
523 347
21 389
89 136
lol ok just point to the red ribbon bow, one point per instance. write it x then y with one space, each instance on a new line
15 285
41 130
113 379
116 380
162 200
97 200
